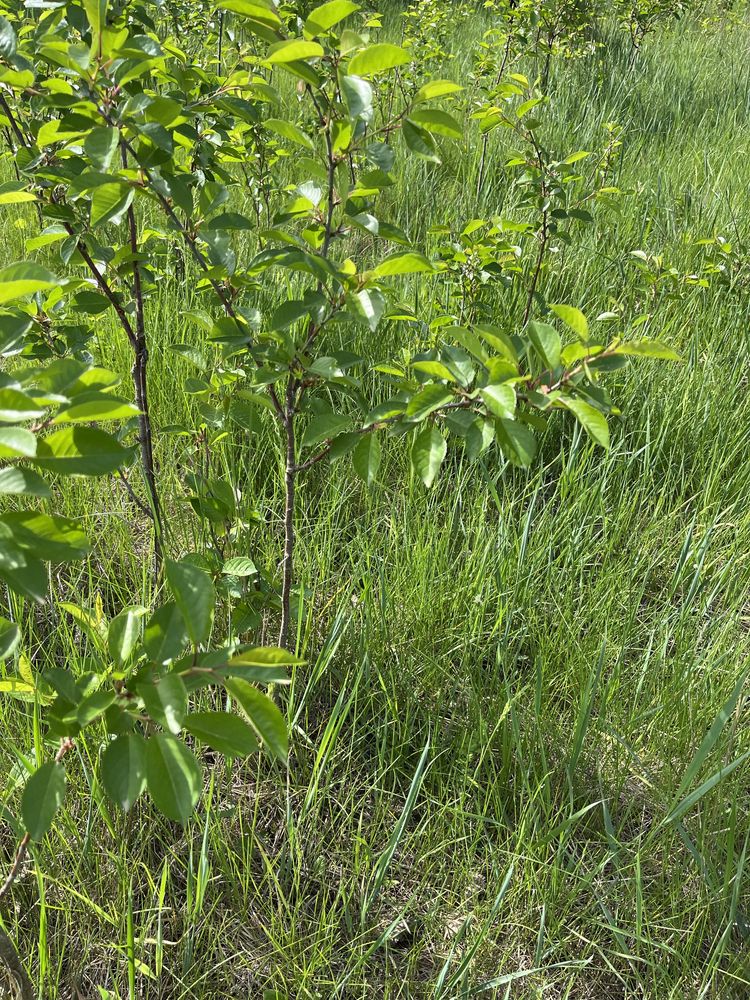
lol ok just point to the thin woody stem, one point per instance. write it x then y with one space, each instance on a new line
12 119
140 362
200 260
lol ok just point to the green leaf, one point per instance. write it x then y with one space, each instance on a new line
110 202
16 405
377 59
427 400
419 141
17 442
195 595
100 145
262 665
17 480
500 400
262 714
15 193
166 701
94 706
323 427
370 304
434 89
366 459
124 769
404 263
289 131
435 369
593 422
19 689
166 634
343 445
325 17
648 349
224 221
9 637
257 10
90 623
123 635
291 51
523 109
239 566
13 329
439 122
573 318
266 656
479 436
42 797
357 96
546 342
95 406
516 441
174 777
427 454
23 573
96 12
223 732
81 451
46 536
7 39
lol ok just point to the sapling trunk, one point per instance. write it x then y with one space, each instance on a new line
543 239
544 231
140 385
145 442
136 337
290 407
486 136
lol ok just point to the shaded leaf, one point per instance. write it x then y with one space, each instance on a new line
223 732
195 595
174 777
166 701
42 797
366 459
593 422
262 714
516 441
427 454
124 769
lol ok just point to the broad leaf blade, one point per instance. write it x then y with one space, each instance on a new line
124 769
174 777
262 714
42 797
223 732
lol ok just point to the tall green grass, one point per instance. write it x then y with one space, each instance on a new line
512 681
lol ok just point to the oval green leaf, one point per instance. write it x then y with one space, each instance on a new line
42 797
173 776
124 769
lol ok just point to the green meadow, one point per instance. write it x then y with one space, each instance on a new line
518 740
